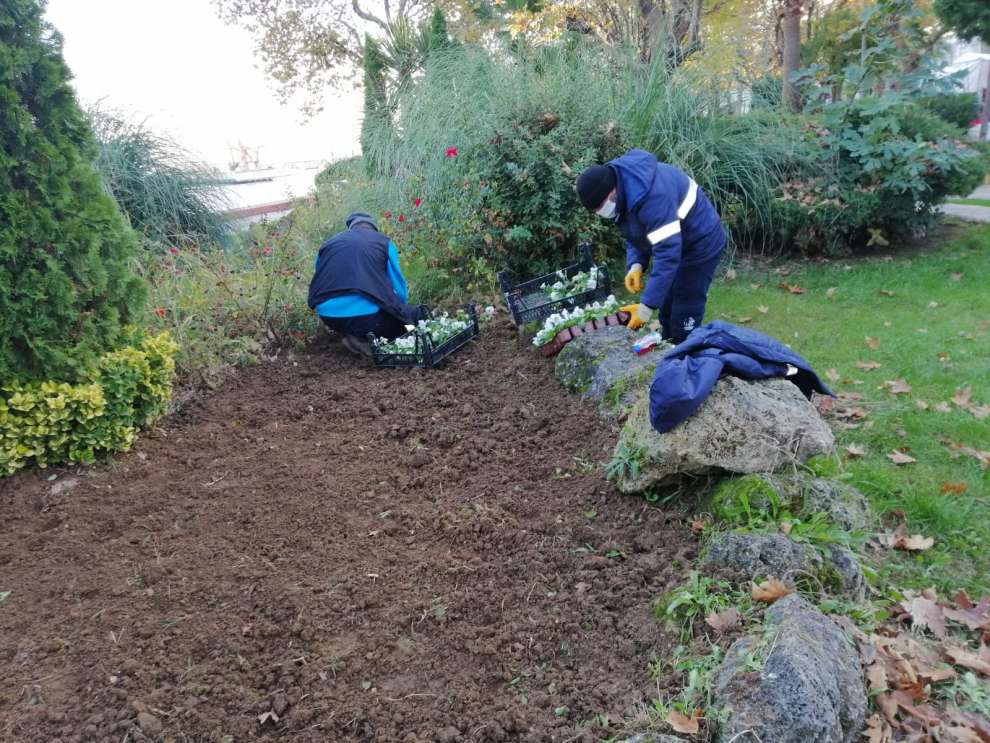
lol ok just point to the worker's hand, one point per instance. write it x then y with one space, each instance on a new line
639 315
634 279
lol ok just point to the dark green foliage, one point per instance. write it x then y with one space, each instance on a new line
957 108
968 18
165 193
438 37
64 248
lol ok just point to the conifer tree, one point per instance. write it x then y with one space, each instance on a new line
66 286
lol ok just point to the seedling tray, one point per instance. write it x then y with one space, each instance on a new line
426 354
528 302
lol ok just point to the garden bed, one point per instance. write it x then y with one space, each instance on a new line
320 552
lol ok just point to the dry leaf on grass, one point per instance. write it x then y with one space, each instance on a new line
899 540
921 404
868 365
730 275
832 375
963 397
770 590
885 292
926 613
785 527
956 276
956 450
899 457
943 407
681 723
830 292
897 386
955 488
979 662
974 617
932 305
792 288
723 621
823 403
872 343
856 450
744 320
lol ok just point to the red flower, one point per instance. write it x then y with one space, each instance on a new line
173 251
266 251
387 215
417 201
451 152
160 311
402 217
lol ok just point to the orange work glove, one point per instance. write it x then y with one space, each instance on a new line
639 315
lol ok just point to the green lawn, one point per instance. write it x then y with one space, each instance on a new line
928 316
970 202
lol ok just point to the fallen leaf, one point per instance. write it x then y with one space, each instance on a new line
960 734
699 525
868 365
770 590
921 330
943 407
897 386
832 375
872 343
963 397
953 487
723 621
682 723
850 396
981 411
744 319
888 706
830 292
921 404
824 403
899 457
885 292
944 357
924 712
792 288
926 613
730 275
754 287
974 617
887 323
956 450
963 601
956 276
876 678
932 305
975 662
763 309
899 540
877 730
266 716
785 527
855 450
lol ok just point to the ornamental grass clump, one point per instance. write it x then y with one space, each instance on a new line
571 318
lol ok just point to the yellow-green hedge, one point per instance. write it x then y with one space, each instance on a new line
50 422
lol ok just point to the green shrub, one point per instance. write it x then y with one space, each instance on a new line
49 422
959 109
65 251
166 194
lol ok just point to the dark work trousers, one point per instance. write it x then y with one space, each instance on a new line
684 308
382 324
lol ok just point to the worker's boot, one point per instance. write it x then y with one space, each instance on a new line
357 346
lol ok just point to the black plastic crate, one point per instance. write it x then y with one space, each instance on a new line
425 353
528 302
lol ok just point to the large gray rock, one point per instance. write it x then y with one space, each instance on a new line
602 366
759 556
743 427
801 682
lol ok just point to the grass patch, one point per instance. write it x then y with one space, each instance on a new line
969 202
928 316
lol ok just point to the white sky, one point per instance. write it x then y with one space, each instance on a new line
176 65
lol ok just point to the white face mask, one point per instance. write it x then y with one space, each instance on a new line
607 210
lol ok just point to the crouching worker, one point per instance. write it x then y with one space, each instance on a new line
358 287
669 225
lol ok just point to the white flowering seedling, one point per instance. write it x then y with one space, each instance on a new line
579 283
439 329
577 316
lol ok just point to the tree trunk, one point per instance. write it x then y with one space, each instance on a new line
985 113
792 53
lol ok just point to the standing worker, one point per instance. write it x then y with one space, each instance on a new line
665 218
358 287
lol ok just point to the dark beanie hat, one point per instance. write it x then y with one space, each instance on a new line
357 217
594 185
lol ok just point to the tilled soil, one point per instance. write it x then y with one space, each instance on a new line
324 551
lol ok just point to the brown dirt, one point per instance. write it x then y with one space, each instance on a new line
366 554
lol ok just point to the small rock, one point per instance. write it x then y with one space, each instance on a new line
651 738
808 688
63 486
280 704
449 734
149 724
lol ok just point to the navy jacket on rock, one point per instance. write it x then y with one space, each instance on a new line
686 374
663 215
